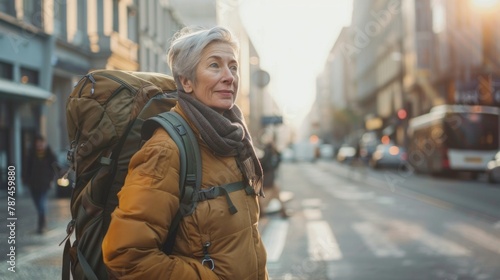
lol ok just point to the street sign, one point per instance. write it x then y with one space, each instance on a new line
266 120
261 78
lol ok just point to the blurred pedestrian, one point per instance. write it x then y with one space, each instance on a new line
270 162
357 163
41 165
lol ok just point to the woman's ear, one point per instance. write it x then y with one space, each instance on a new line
186 84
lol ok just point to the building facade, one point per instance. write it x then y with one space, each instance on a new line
380 48
47 46
158 22
335 99
466 68
411 55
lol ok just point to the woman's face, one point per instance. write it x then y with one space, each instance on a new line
40 144
216 77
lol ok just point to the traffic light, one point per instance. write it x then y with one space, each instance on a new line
402 114
314 139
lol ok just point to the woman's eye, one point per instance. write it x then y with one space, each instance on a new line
234 67
214 65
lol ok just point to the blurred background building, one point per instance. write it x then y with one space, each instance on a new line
400 58
396 60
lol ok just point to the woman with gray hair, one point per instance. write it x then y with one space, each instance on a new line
213 242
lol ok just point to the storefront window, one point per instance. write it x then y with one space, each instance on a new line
29 76
6 71
8 7
33 12
5 147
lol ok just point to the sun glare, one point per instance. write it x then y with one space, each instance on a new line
293 39
485 3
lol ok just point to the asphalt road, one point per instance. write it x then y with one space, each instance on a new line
375 225
345 225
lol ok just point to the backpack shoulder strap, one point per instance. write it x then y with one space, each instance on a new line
190 165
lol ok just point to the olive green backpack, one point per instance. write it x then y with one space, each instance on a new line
105 115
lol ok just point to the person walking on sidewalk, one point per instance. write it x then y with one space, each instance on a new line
270 163
39 174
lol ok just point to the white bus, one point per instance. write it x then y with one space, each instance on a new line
454 138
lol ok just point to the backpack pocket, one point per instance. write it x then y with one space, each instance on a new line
86 254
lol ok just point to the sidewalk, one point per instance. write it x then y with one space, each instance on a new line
36 256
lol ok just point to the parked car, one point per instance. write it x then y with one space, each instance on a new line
346 154
493 169
326 151
388 155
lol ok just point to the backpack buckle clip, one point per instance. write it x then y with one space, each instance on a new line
207 259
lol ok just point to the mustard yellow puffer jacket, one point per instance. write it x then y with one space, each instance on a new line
147 204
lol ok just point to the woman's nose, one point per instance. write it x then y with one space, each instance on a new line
228 75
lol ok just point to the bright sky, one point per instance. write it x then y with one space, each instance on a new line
293 39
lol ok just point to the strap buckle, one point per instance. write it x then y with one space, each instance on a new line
206 194
207 259
210 263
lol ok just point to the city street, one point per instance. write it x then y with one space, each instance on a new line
383 226
345 225
408 84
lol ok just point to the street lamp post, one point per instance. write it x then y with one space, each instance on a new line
402 112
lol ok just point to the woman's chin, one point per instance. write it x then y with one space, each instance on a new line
223 107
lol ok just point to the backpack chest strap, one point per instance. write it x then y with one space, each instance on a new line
223 190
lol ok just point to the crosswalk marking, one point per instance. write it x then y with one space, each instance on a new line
322 243
478 236
432 244
274 238
311 202
383 237
352 195
377 241
406 231
312 214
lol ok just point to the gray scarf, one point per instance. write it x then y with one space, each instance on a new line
225 135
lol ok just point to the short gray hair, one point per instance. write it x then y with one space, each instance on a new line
187 45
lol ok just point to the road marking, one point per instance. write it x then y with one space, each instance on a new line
434 245
312 214
311 202
386 200
478 236
340 190
322 244
286 196
352 195
377 240
274 238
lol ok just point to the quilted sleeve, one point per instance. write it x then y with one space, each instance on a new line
148 202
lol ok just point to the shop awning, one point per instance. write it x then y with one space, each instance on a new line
11 89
